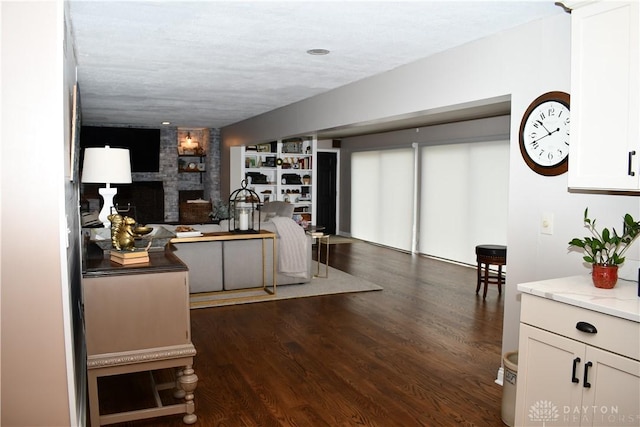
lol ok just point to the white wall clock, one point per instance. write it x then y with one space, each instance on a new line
544 134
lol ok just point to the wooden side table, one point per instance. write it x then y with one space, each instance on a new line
137 319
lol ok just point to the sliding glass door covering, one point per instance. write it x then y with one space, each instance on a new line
382 187
439 200
463 198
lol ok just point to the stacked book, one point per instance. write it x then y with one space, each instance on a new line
138 256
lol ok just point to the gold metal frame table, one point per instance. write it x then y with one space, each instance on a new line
267 290
322 240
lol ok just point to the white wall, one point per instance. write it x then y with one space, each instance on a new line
524 63
34 304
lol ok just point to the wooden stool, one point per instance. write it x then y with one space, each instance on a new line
490 255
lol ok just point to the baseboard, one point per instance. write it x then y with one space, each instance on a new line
500 377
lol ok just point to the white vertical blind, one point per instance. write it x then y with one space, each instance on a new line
382 184
464 192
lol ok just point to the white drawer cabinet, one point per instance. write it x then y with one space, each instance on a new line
570 377
605 96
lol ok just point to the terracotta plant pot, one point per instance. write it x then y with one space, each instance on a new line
604 276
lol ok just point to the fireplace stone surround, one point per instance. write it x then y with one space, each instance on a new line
148 189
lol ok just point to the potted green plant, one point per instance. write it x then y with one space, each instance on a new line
219 211
605 249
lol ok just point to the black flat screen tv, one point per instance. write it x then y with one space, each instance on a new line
143 144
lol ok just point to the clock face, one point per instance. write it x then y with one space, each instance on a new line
544 134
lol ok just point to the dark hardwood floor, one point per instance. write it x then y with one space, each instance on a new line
422 352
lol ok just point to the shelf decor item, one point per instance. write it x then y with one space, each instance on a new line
605 249
138 256
292 146
124 231
264 148
270 162
189 146
243 207
195 211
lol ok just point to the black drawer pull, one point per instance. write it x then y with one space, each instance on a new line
585 383
586 327
575 379
630 171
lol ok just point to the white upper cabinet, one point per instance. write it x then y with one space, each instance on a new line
605 93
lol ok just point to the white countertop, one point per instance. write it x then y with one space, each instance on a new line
621 301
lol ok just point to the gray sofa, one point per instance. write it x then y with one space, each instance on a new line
236 264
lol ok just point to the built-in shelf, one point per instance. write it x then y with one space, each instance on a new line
282 170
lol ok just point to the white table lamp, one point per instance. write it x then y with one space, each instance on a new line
109 166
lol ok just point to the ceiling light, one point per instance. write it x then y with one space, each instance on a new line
166 123
318 51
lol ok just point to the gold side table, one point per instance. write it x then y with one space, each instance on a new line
266 290
322 240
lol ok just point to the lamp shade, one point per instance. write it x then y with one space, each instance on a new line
106 165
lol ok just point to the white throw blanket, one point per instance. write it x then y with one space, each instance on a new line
292 251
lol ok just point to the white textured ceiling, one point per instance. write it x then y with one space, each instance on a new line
214 63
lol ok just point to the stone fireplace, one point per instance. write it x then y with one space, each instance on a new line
156 195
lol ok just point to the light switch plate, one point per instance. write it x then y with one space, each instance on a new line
546 223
